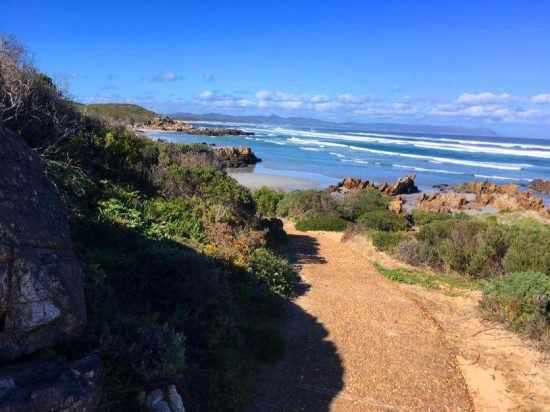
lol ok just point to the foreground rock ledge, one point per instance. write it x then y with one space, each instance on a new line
41 385
41 289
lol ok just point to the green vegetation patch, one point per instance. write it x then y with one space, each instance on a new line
120 112
522 301
322 222
384 220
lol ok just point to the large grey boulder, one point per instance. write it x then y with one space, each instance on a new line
41 385
41 287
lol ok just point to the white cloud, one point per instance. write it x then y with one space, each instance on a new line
166 76
484 98
541 98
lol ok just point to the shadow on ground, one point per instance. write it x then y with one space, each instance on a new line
310 374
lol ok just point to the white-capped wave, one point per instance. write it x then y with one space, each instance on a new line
515 179
457 145
435 159
423 169
312 149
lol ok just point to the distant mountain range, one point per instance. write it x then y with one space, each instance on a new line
307 122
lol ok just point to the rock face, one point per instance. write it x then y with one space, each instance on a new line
539 185
401 186
169 124
232 156
40 386
442 202
41 290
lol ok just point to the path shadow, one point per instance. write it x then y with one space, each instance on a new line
310 374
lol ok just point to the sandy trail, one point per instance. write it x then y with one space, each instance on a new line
356 342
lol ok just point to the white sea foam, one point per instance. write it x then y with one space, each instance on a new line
515 179
435 159
312 149
542 152
423 169
337 154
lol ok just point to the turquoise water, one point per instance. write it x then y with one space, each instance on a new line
327 155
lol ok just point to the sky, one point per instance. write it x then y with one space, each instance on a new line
467 63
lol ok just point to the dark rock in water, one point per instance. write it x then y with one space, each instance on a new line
539 185
41 290
41 385
240 156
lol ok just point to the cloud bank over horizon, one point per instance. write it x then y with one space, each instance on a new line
482 108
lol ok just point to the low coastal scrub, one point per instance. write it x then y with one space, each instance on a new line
522 301
386 241
481 247
383 220
322 222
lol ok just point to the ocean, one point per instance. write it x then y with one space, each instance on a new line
328 155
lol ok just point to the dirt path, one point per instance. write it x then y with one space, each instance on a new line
356 342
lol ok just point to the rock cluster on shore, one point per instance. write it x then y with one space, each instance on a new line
402 186
168 124
482 194
539 185
239 156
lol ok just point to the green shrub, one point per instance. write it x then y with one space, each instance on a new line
521 300
355 204
529 247
299 204
471 247
322 222
272 271
386 241
267 200
423 217
213 186
178 218
383 220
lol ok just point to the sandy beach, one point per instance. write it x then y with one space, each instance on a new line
257 180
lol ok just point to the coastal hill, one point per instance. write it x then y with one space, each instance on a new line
124 113
308 122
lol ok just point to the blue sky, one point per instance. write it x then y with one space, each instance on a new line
471 63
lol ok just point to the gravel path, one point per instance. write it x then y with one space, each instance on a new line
355 342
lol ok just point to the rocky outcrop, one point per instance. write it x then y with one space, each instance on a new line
349 184
502 197
539 185
401 186
44 386
41 290
443 202
169 124
396 205
240 156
